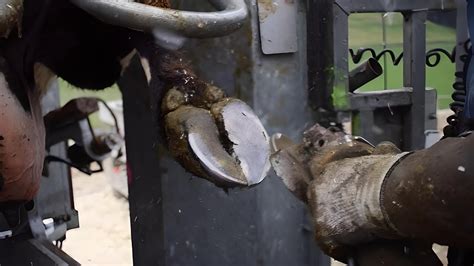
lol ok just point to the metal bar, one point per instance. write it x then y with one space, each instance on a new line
55 198
320 48
340 94
381 99
370 6
145 184
141 17
321 54
414 76
364 73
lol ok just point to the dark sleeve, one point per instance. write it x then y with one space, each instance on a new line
430 193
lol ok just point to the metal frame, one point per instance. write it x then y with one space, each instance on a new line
414 107
368 6
55 198
328 65
180 220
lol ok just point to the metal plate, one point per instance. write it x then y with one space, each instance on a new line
278 32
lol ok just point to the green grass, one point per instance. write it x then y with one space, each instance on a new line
69 92
366 31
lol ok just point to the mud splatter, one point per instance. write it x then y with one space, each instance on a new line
266 8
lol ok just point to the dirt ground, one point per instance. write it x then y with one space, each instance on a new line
104 236
104 233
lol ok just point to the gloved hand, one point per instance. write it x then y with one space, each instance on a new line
341 178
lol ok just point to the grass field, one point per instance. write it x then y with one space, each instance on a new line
365 31
69 92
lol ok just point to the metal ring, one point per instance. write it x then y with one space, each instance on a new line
141 17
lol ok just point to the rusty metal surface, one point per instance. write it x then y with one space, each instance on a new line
55 199
429 194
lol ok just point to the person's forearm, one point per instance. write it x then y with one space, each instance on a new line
430 194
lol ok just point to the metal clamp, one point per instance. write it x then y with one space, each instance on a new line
141 17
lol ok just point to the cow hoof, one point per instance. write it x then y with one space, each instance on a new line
216 138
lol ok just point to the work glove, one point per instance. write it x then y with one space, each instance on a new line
340 178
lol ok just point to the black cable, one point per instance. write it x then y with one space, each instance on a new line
114 117
453 129
52 158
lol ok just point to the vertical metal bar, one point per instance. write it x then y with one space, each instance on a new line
461 33
384 37
320 53
414 76
340 93
144 173
55 198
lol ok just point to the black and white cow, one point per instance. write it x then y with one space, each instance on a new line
47 38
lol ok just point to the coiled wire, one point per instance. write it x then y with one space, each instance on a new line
433 59
459 97
433 56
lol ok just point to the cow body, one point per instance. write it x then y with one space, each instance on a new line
58 38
